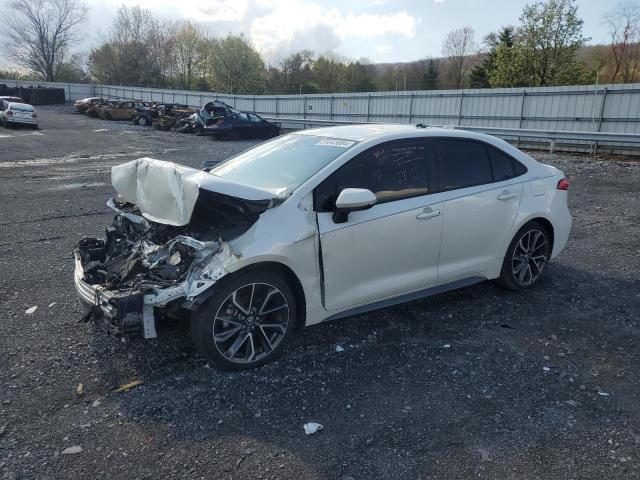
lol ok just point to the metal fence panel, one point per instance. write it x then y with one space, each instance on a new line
592 108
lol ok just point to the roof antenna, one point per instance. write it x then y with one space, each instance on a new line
421 125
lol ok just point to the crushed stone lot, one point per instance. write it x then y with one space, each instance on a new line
480 382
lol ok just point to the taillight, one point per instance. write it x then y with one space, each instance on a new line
563 184
220 121
9 113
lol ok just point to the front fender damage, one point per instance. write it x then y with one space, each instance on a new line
167 245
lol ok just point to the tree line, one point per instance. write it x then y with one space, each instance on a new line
546 47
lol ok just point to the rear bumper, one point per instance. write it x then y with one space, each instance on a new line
21 121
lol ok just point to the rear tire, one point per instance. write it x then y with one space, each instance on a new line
247 322
526 258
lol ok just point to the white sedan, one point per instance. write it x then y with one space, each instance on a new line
15 113
314 226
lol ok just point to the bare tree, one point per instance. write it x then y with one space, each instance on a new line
458 45
624 30
38 33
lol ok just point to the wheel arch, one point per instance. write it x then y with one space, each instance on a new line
274 267
545 222
292 280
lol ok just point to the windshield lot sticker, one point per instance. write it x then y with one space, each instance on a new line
335 142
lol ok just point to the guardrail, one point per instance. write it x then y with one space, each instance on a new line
552 136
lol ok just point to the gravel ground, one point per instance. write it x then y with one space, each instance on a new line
476 383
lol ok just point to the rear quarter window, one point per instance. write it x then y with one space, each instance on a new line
503 165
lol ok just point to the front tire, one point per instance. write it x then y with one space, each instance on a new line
142 121
247 322
526 258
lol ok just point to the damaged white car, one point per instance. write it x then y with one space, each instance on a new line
316 225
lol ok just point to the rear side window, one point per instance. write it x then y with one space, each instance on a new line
392 171
501 164
504 166
463 163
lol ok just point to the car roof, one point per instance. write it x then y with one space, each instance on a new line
364 132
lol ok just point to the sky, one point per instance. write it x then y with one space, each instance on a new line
378 30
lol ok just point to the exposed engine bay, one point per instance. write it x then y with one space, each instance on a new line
143 266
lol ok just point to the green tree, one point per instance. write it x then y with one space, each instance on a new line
330 74
188 54
480 74
430 78
360 77
237 67
544 48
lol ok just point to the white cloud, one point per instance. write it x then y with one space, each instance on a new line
280 27
292 25
369 25
217 10
383 48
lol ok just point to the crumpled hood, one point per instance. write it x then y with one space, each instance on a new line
166 192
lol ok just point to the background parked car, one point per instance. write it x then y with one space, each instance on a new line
171 115
93 110
145 114
242 125
13 113
81 106
12 99
120 110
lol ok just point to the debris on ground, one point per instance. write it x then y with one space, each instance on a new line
446 345
601 393
128 386
312 427
96 403
339 348
52 304
71 450
80 389
484 455
30 310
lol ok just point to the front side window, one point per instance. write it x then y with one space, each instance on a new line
392 171
463 163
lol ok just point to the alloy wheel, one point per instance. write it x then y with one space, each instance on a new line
529 257
250 323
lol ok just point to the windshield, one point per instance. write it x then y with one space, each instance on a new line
284 163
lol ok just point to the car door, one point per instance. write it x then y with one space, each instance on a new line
243 126
260 127
482 200
391 248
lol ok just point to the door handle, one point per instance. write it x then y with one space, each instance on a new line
428 213
507 195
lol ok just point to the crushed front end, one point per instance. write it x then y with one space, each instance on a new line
141 269
167 245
